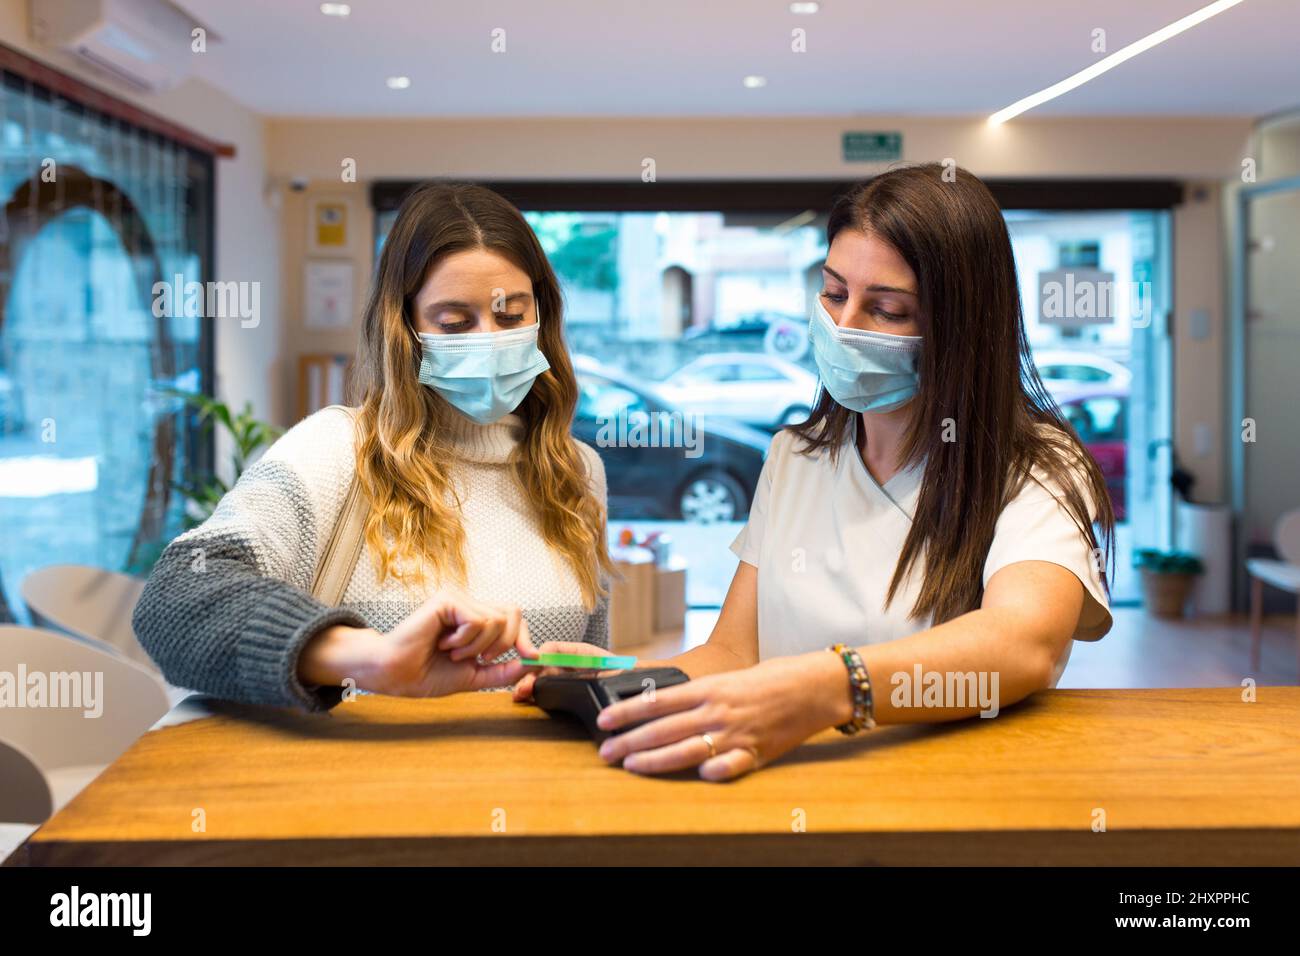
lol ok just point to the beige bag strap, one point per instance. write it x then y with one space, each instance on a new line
346 540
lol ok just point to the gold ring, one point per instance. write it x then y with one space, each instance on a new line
713 748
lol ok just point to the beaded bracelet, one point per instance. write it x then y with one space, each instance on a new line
860 687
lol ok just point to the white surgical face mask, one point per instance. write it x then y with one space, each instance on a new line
485 375
864 371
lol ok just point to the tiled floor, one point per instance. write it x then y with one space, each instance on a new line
1142 651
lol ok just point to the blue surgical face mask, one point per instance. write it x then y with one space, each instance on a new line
485 375
864 371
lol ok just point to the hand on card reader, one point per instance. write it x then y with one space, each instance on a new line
584 696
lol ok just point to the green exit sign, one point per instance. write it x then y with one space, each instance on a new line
872 147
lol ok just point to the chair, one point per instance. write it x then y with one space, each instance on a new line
25 800
26 797
47 753
1283 574
90 604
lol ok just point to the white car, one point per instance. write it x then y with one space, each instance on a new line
1069 373
750 387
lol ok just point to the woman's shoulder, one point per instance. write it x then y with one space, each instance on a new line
322 436
300 481
794 445
319 451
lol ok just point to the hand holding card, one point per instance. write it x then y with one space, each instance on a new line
565 657
600 662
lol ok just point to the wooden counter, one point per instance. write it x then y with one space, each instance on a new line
1184 777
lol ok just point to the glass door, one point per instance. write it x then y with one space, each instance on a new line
1265 429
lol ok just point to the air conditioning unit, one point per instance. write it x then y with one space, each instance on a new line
147 45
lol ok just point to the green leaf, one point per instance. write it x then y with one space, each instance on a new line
1167 562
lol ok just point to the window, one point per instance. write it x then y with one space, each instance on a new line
706 311
1097 419
1074 373
91 442
758 372
710 374
689 306
599 398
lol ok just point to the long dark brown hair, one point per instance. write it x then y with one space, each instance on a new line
976 375
402 461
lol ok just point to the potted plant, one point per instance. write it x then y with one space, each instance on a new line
1167 578
248 435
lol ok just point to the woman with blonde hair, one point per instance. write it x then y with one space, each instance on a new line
480 521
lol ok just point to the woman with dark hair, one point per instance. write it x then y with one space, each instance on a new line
461 458
932 522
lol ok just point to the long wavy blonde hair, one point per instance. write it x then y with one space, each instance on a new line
403 461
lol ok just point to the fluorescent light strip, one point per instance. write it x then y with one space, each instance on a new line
1112 61
794 222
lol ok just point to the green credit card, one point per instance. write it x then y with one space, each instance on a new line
584 661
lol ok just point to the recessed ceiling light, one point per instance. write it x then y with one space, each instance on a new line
805 7
398 82
754 82
335 9
1112 61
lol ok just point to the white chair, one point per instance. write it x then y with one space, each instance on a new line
48 754
91 604
1283 574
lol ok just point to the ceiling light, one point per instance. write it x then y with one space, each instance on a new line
398 82
1112 61
794 222
335 9
754 82
805 7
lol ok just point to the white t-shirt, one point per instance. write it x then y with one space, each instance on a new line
825 538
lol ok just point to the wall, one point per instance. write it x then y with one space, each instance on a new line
297 339
1200 363
777 147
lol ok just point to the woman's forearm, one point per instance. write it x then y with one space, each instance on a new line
711 657
341 653
220 626
977 663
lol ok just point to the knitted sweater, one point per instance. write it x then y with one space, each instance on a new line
227 609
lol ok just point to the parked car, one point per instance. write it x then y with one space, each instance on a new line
1067 373
751 387
751 324
664 481
1100 416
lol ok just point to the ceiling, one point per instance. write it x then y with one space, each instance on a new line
688 57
